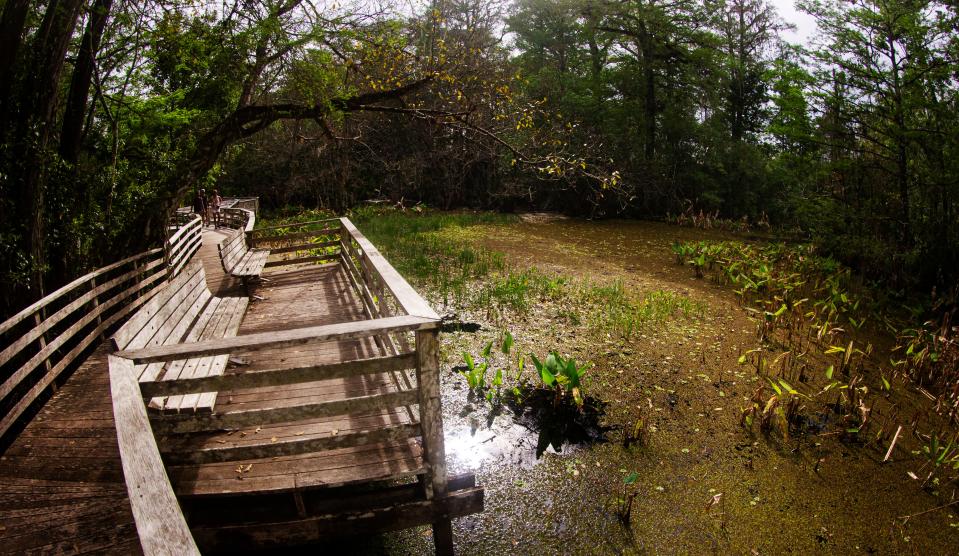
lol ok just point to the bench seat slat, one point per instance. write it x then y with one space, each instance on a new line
175 327
143 324
206 400
204 366
183 311
183 329
208 366
186 367
238 260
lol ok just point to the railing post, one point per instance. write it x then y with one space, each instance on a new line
38 320
96 306
431 423
167 267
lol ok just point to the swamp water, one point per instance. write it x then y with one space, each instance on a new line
704 484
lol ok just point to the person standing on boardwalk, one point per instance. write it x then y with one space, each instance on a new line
199 205
215 201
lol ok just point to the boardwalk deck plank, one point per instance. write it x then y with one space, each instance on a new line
61 480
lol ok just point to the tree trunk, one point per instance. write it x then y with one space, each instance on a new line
649 106
76 109
39 100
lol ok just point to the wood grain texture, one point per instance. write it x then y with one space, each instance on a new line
278 376
160 523
35 307
267 416
391 517
319 397
287 338
411 301
61 483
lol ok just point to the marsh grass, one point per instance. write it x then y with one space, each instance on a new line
618 310
440 253
433 249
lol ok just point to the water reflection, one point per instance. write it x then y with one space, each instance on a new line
520 430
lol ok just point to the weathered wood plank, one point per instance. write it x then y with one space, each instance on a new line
297 235
207 399
160 523
157 305
393 517
33 308
303 260
68 309
294 225
330 468
237 419
31 395
431 412
225 322
185 254
294 446
189 227
302 247
299 336
14 379
277 377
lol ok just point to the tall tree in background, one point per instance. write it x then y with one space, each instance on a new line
890 59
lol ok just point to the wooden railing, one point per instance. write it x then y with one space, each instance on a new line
48 339
386 293
237 218
303 242
394 310
183 243
249 203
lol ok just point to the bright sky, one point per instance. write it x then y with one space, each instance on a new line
805 24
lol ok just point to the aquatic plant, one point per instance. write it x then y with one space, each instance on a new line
475 373
624 504
561 375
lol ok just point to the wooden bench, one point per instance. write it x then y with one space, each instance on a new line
238 260
183 312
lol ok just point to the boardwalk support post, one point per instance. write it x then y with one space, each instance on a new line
431 416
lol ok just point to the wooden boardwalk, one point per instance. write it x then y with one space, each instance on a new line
61 482
314 296
62 486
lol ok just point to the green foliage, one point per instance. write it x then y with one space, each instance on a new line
561 375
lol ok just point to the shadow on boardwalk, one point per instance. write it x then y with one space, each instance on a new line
61 480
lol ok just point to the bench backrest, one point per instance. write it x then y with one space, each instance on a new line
232 249
152 324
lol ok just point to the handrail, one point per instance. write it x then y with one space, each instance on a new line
410 301
160 522
295 224
161 527
239 218
263 340
183 244
47 339
41 303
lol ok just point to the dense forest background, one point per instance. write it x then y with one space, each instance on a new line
112 112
